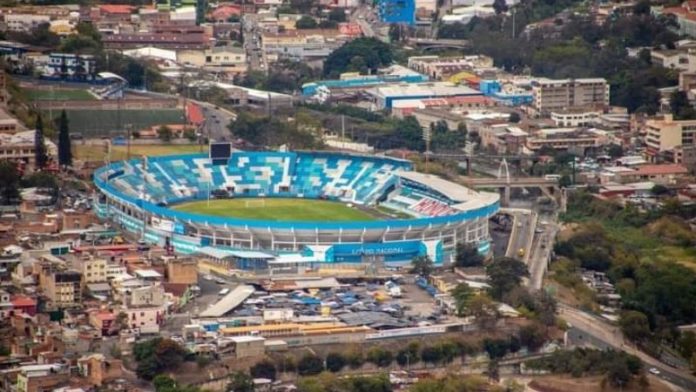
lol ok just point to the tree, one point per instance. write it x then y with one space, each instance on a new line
635 325
337 15
659 190
483 309
380 356
409 355
310 365
680 106
462 295
163 383
9 182
468 256
374 53
422 265
514 118
240 382
306 22
532 336
500 6
504 274
263 369
64 146
615 151
618 373
335 362
165 133
40 154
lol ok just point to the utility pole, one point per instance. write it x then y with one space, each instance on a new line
343 131
128 141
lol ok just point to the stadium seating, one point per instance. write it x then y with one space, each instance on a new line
419 203
356 179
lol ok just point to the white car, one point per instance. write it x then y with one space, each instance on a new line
654 371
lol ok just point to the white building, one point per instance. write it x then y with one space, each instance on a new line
562 94
25 22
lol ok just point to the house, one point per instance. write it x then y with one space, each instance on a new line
24 305
103 321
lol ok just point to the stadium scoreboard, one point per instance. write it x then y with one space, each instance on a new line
220 153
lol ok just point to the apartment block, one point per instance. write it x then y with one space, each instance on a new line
64 288
554 95
666 133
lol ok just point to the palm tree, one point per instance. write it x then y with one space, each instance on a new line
462 295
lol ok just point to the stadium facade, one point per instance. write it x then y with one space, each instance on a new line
136 195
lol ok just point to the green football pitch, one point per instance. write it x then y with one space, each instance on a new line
277 209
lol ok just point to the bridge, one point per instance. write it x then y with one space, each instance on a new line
430 43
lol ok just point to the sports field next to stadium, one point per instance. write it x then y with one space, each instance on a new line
277 209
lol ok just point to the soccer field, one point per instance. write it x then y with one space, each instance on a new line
276 209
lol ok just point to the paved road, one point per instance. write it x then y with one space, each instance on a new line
589 330
544 237
252 43
216 121
521 236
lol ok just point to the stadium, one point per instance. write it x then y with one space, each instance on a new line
324 207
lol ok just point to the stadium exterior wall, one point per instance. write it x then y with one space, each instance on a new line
187 232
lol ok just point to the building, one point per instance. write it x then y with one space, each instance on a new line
441 68
25 22
503 138
164 37
384 97
39 378
103 321
305 44
8 124
93 270
685 16
5 304
567 139
182 271
575 117
681 60
665 134
20 147
664 174
248 346
64 289
397 11
71 67
22 304
97 369
146 319
549 95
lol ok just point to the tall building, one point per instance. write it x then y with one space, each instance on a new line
64 289
397 11
665 134
549 95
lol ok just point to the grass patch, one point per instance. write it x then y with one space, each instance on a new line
394 213
98 153
59 95
277 209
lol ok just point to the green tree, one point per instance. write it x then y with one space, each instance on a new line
335 362
165 133
263 369
504 274
64 144
163 383
514 117
680 106
659 190
635 325
240 382
9 182
310 365
380 356
337 15
422 265
40 152
468 255
462 295
306 22
533 336
500 6
375 54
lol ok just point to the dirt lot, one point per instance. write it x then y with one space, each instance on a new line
589 384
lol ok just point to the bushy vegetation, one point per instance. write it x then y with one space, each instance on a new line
629 245
618 367
156 356
574 46
364 55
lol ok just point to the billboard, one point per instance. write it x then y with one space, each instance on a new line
220 153
398 11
